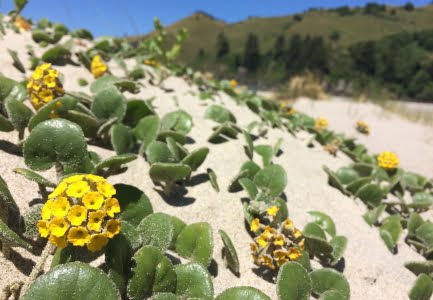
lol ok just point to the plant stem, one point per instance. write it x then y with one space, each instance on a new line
168 187
59 170
37 268
43 191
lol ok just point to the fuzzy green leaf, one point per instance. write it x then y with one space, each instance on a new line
109 103
242 292
179 120
422 289
11 237
324 221
134 203
122 138
272 180
371 194
156 230
196 158
219 114
193 282
229 253
293 282
169 172
118 254
390 231
328 279
35 177
195 242
213 179
147 130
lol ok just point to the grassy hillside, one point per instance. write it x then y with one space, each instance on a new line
353 28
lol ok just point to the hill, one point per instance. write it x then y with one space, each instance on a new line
351 26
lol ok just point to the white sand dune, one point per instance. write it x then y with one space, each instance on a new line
372 271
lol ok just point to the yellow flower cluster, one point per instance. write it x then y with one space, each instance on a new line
362 127
44 85
388 160
321 123
98 67
152 62
276 244
287 108
81 211
22 24
233 83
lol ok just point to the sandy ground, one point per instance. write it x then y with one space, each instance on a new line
372 271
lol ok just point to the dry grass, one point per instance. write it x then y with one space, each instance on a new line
307 85
415 112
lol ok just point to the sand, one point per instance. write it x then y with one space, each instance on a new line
372 271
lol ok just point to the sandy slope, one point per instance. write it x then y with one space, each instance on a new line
372 271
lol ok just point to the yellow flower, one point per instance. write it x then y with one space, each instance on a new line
53 73
95 220
93 200
112 206
281 257
77 189
37 74
95 178
98 67
272 211
77 215
59 242
59 190
302 244
253 247
106 189
267 261
262 241
233 83
46 210
255 225
294 253
46 95
43 228
288 224
297 233
321 123
97 242
388 160
73 179
362 127
50 81
269 232
60 207
112 228
22 24
58 226
44 67
279 240
78 236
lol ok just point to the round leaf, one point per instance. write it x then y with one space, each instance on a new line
272 180
109 103
179 120
219 114
195 242
193 281
196 158
169 172
242 292
54 141
328 279
293 282
156 230
134 204
324 221
73 281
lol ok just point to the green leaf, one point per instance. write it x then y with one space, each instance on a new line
169 172
196 158
373 215
73 281
19 114
266 152
103 83
219 114
421 200
229 253
362 169
63 256
346 175
156 230
193 282
35 177
415 221
134 203
178 226
412 181
177 136
88 124
116 161
242 292
316 239
118 254
371 194
131 233
334 181
425 234
54 141
137 109
339 244
324 221
271 179
195 242
6 199
293 282
147 130
122 138
328 279
158 152
390 231
354 186
6 86
11 237
5 124
422 289
16 61
331 295
249 186
250 146
152 273
163 296
213 179
42 114
179 120
420 267
109 103
56 55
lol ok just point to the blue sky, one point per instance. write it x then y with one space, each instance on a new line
129 17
